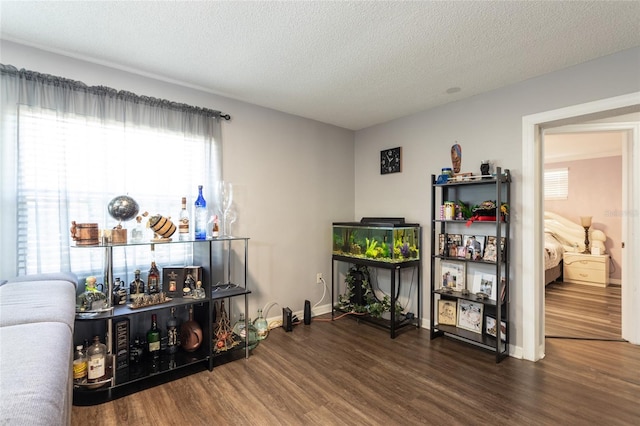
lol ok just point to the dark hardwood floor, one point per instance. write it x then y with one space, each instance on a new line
582 311
350 373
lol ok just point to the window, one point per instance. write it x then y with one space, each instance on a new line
556 184
71 166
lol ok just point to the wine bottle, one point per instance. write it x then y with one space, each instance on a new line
200 216
183 226
96 361
153 338
172 333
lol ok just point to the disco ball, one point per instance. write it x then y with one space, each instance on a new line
123 208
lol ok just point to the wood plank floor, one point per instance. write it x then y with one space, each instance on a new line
350 373
582 311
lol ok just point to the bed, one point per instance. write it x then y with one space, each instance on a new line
562 235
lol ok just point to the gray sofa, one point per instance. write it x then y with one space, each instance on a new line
36 349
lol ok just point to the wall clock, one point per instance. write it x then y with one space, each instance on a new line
390 160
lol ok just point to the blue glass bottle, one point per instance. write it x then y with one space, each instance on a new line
200 216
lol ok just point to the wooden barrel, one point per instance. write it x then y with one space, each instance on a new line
162 226
85 234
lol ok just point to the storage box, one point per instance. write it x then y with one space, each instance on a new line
380 239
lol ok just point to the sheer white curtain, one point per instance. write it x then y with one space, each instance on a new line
68 149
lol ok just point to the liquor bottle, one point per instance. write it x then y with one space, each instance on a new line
188 287
136 287
200 216
153 280
190 333
215 232
96 361
119 293
138 231
172 332
79 365
136 351
262 328
199 292
183 224
153 338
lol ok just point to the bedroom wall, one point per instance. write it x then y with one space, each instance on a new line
594 190
292 178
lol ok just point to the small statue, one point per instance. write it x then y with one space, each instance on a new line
456 158
485 168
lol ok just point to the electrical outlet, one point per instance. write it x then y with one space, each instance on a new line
319 278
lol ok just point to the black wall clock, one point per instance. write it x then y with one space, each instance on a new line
390 160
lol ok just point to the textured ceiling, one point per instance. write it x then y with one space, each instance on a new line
352 64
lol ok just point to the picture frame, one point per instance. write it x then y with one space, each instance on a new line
475 245
453 241
491 249
491 330
452 275
485 284
470 315
447 312
462 252
442 244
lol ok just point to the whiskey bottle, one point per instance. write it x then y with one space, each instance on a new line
96 361
153 280
200 216
172 333
183 224
153 338
136 287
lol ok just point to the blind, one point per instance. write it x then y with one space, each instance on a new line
71 166
556 184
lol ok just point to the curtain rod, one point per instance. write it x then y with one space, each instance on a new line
111 92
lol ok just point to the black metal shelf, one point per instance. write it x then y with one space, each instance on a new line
496 188
166 367
395 267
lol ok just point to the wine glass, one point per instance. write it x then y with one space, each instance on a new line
225 199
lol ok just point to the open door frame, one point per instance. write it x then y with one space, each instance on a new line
531 224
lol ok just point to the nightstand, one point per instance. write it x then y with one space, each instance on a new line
589 269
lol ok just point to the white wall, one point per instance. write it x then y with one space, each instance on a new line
292 177
487 126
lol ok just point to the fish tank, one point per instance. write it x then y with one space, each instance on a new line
380 239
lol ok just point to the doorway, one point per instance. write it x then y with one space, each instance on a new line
531 296
590 158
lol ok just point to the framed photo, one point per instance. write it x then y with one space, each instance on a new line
172 280
447 310
470 315
486 284
452 275
491 249
475 246
442 244
462 252
490 328
453 242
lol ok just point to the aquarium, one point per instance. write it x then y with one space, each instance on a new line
378 239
